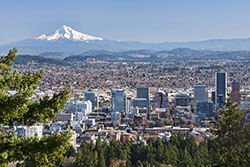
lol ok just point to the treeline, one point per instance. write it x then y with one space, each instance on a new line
179 151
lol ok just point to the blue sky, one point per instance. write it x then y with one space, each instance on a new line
136 20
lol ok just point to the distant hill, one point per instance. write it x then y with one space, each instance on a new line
179 54
54 55
25 59
166 55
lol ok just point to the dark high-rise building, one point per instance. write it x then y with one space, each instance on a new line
160 100
119 101
220 88
204 109
236 96
182 100
200 93
91 96
143 93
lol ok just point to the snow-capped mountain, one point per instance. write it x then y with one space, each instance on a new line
66 32
70 41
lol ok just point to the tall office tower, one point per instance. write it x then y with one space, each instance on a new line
236 96
160 100
182 100
143 93
220 88
91 96
200 93
84 106
119 100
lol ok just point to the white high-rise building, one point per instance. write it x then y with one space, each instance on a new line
91 96
30 131
220 88
119 101
84 106
200 93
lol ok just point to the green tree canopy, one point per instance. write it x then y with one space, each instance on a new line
20 109
232 136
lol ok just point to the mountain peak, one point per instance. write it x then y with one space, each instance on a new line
66 32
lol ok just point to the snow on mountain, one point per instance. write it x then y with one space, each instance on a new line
67 40
66 32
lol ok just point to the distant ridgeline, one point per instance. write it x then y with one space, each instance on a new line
180 54
25 59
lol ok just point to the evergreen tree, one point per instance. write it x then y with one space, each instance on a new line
186 160
20 109
84 155
232 140
96 158
191 145
110 152
98 144
71 152
201 155
137 153
101 160
139 164
173 155
159 150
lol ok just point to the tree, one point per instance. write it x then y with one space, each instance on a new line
20 109
191 145
231 140
71 152
101 160
186 160
139 164
170 154
159 151
201 155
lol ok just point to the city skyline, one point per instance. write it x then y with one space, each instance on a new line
125 83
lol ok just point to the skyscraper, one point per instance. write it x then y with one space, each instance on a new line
236 96
160 100
119 100
204 109
182 100
200 93
84 106
143 93
91 96
220 88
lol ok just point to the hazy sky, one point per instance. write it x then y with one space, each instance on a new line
137 20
